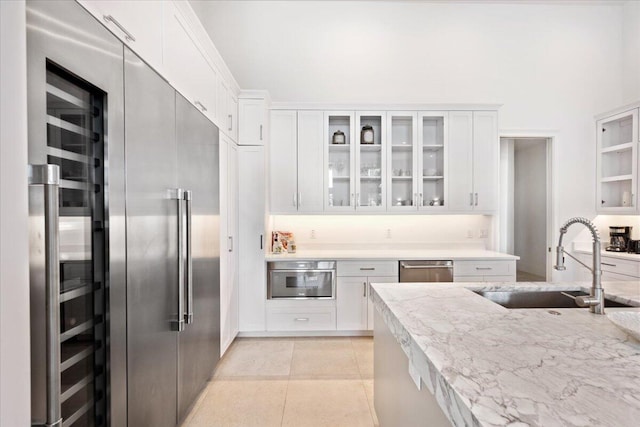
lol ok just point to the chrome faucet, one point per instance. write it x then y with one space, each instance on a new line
595 301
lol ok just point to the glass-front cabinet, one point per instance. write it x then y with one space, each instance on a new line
617 138
402 137
370 159
432 154
340 156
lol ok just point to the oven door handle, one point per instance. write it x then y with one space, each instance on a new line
303 271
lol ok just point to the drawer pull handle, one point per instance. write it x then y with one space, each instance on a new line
484 268
367 268
301 319
607 264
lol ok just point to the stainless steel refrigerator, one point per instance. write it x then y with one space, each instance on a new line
123 207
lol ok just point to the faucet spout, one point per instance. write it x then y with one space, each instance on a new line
595 301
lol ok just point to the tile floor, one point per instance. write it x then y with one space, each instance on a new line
265 382
523 276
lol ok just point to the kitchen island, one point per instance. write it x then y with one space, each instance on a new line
486 365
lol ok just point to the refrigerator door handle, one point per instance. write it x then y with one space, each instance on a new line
188 314
178 324
49 177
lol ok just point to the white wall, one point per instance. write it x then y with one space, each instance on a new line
15 409
530 205
373 231
631 51
552 66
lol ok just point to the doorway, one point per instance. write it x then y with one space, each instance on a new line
526 204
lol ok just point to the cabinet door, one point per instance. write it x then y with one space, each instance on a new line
432 170
251 243
310 167
136 23
283 192
370 305
228 243
370 161
233 229
460 161
223 118
339 161
485 160
251 126
351 303
402 163
197 82
617 163
232 113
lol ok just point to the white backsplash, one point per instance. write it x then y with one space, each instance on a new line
603 222
384 231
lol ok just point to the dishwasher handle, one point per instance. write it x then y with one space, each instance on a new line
424 266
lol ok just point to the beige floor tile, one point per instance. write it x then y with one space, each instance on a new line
257 358
332 358
363 349
335 403
195 407
368 388
241 404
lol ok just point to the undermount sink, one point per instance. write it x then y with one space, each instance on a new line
543 299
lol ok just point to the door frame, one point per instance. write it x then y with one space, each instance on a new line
551 136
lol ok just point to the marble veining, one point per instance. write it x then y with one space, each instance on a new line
491 366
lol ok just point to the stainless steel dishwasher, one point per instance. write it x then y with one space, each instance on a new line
426 271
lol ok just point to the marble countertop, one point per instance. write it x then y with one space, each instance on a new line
392 254
492 366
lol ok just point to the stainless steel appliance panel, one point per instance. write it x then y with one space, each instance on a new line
63 33
152 242
426 271
198 166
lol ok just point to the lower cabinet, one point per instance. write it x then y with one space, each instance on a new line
612 268
353 291
301 315
484 271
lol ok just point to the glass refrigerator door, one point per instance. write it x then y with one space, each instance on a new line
75 142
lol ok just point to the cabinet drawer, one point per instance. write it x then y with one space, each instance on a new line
303 319
620 266
368 268
484 268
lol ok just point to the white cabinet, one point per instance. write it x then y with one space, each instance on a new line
228 243
354 309
351 303
370 161
251 241
339 161
612 268
484 271
186 67
232 115
301 315
283 172
402 162
473 161
137 23
295 169
431 172
310 151
252 125
617 162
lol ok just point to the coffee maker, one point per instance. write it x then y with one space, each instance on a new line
619 239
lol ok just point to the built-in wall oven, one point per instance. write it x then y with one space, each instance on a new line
301 279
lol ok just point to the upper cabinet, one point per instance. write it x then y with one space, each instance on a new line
197 81
295 172
617 162
253 113
473 161
125 20
170 38
384 161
